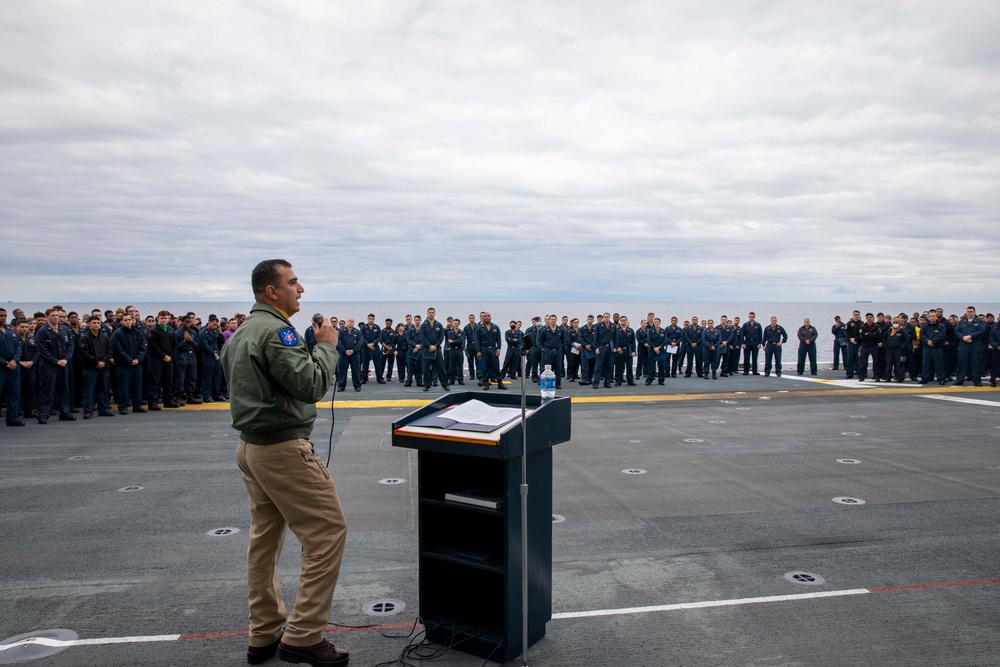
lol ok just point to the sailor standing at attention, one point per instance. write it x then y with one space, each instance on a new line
774 338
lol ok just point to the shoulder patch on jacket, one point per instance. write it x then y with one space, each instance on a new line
288 337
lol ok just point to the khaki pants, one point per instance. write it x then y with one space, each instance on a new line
289 485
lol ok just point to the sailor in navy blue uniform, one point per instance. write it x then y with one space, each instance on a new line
10 373
432 339
711 340
487 346
351 342
725 340
371 350
551 341
624 347
640 348
388 342
186 371
753 336
414 362
28 364
869 336
674 337
573 343
994 349
692 339
807 335
55 353
455 352
735 345
603 362
656 355
774 337
853 349
896 343
511 362
971 332
128 346
211 370
588 350
933 337
470 352
839 333
535 354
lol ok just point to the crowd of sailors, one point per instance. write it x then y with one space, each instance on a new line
59 363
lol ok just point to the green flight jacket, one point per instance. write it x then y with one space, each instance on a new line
274 382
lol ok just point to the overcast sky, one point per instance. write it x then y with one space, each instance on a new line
702 150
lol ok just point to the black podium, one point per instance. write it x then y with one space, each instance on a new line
470 555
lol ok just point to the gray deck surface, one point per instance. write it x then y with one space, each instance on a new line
737 492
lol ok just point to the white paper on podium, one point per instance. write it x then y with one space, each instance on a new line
477 412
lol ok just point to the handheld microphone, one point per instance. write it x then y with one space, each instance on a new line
318 319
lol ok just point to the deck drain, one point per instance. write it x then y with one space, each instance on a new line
621 412
765 398
322 419
850 434
717 421
128 489
859 417
849 462
33 645
635 442
558 518
392 480
728 402
78 458
693 440
742 408
634 471
845 500
384 607
220 436
222 532
805 578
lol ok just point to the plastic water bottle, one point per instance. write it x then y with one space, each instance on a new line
547 383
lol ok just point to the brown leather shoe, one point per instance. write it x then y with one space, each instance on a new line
323 654
257 655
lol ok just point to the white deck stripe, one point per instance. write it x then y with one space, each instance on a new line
959 399
710 603
65 643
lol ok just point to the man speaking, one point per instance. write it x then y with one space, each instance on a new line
274 384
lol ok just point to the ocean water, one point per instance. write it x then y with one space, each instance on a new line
789 314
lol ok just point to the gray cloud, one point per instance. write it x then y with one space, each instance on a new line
793 150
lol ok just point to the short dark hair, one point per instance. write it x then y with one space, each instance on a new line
92 318
266 274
